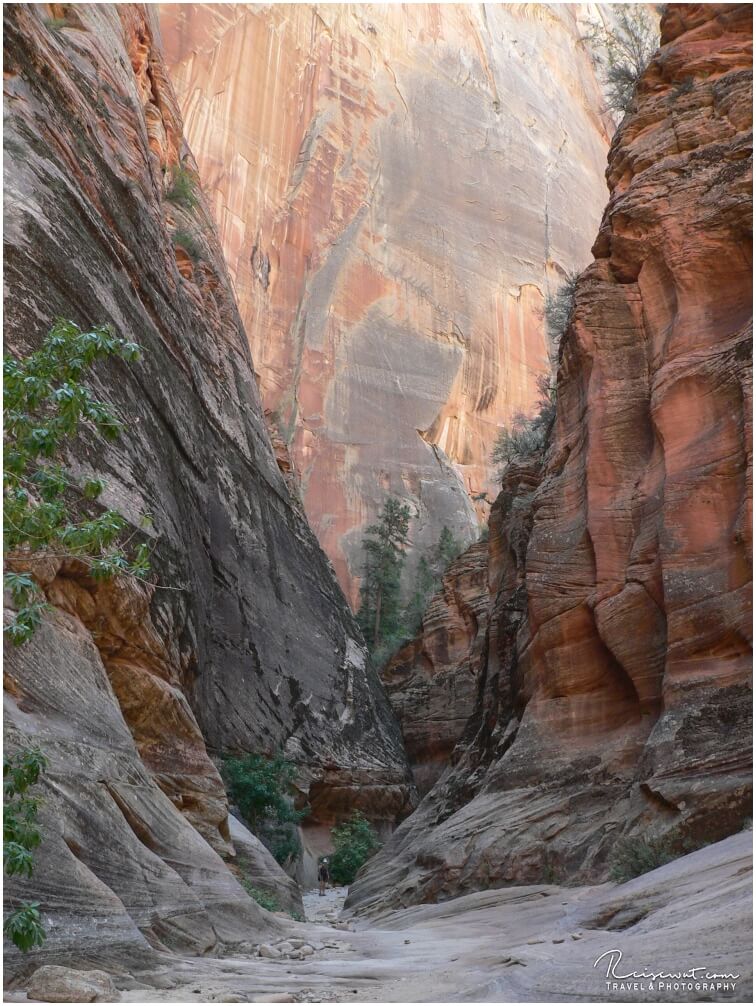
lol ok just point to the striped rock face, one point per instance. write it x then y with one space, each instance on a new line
396 190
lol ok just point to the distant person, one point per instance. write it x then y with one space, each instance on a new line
324 876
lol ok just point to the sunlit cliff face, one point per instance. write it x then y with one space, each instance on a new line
397 188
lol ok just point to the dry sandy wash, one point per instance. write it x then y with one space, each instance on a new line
518 944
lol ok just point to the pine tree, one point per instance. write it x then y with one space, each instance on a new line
380 609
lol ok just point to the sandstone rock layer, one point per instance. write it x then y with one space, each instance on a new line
432 680
615 693
396 188
244 642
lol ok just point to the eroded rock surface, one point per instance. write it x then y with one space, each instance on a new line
432 680
615 690
396 189
246 642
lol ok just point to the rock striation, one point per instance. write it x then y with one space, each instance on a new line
244 642
615 693
396 189
432 681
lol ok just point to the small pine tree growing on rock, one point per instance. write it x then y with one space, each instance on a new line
380 613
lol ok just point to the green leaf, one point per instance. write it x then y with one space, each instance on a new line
21 587
92 488
24 928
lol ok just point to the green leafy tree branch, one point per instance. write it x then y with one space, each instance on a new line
48 513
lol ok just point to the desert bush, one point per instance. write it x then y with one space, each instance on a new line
183 187
188 241
622 50
262 789
632 857
354 842
263 898
558 308
527 435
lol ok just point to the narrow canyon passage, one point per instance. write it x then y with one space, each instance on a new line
403 513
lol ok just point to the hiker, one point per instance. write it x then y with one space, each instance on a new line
323 876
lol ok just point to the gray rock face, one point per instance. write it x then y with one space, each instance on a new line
120 872
247 641
260 868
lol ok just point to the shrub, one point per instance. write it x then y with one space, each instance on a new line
527 435
188 241
634 856
262 790
264 899
20 838
183 187
46 511
354 842
622 51
558 308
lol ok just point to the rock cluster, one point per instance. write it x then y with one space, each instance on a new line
614 693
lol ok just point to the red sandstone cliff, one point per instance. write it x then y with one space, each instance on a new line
615 685
396 187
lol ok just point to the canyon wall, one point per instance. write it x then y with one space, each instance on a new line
244 641
614 696
396 189
432 681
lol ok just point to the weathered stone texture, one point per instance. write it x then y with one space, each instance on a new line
432 680
615 697
396 188
246 641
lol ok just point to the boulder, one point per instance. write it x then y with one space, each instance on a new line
55 984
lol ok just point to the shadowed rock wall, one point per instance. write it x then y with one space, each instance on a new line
246 642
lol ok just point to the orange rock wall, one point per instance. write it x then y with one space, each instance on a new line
396 188
614 696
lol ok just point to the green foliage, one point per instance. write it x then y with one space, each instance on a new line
45 511
558 308
354 842
262 790
385 622
527 435
632 857
183 188
380 614
24 926
264 899
188 241
430 570
21 837
621 50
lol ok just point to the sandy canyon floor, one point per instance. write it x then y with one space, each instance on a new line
520 944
